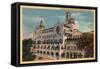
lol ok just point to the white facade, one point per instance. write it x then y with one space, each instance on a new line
58 42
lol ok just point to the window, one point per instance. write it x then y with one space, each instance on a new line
47 53
63 55
52 54
44 52
57 55
67 55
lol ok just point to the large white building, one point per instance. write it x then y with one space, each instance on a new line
59 41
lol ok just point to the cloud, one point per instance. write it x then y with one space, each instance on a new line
85 26
83 20
76 14
77 24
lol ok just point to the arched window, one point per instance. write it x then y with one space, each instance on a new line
67 55
44 52
57 55
37 51
57 47
47 53
52 54
40 52
34 42
63 55
48 47
75 55
47 41
44 46
38 42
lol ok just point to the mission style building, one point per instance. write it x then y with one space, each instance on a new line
59 41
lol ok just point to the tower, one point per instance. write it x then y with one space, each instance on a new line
41 25
70 22
68 16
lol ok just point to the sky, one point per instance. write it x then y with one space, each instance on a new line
31 18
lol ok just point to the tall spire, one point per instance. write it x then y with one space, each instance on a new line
69 19
42 22
41 26
68 15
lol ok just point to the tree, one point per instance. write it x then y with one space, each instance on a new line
27 55
86 43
